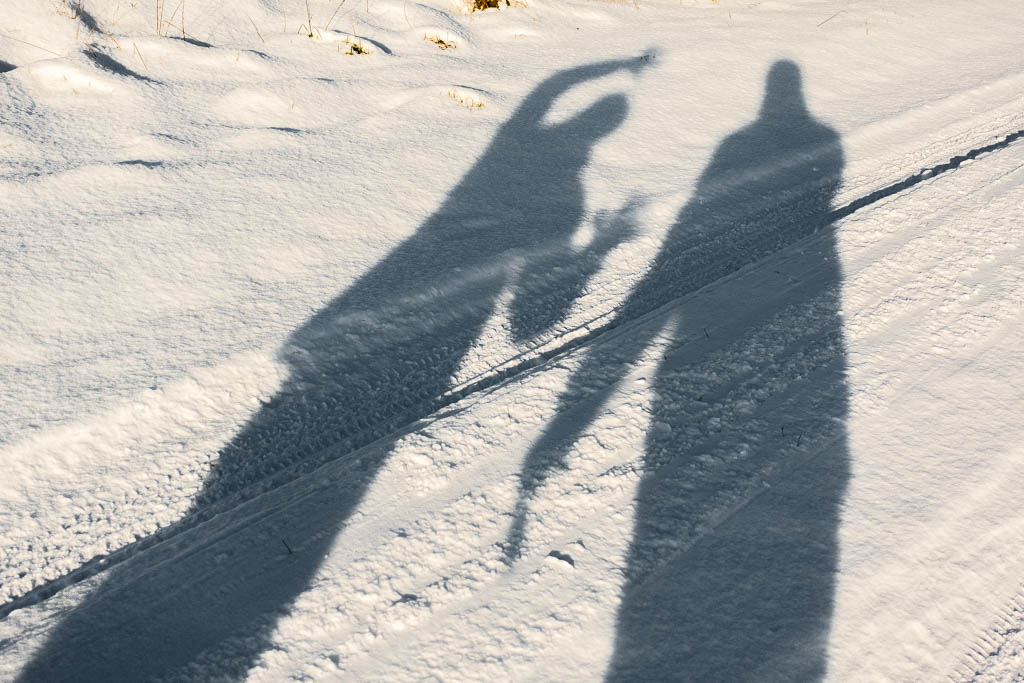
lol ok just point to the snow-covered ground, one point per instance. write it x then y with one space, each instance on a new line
558 341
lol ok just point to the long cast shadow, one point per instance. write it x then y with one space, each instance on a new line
377 357
725 580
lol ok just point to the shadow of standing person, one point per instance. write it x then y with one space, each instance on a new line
378 357
726 580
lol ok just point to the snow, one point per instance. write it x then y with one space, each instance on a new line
622 340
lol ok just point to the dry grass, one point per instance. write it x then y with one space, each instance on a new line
467 101
440 42
357 49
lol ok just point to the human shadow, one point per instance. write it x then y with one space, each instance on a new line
378 357
730 569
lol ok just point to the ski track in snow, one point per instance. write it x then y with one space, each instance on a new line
415 583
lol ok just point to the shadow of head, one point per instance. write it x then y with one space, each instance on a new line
598 120
783 91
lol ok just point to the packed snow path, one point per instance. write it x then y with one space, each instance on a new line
555 416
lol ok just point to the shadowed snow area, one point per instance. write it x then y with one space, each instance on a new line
560 340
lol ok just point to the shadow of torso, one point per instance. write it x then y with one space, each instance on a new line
733 557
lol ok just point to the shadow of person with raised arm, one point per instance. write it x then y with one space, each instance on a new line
378 357
726 577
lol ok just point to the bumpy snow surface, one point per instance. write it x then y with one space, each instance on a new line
564 340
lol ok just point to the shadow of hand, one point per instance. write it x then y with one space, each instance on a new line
551 283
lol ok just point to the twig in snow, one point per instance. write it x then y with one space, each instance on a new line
171 16
136 48
336 14
831 18
38 47
257 29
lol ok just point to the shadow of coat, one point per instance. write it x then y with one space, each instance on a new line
375 359
724 581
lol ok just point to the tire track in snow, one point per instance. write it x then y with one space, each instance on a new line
567 340
983 656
